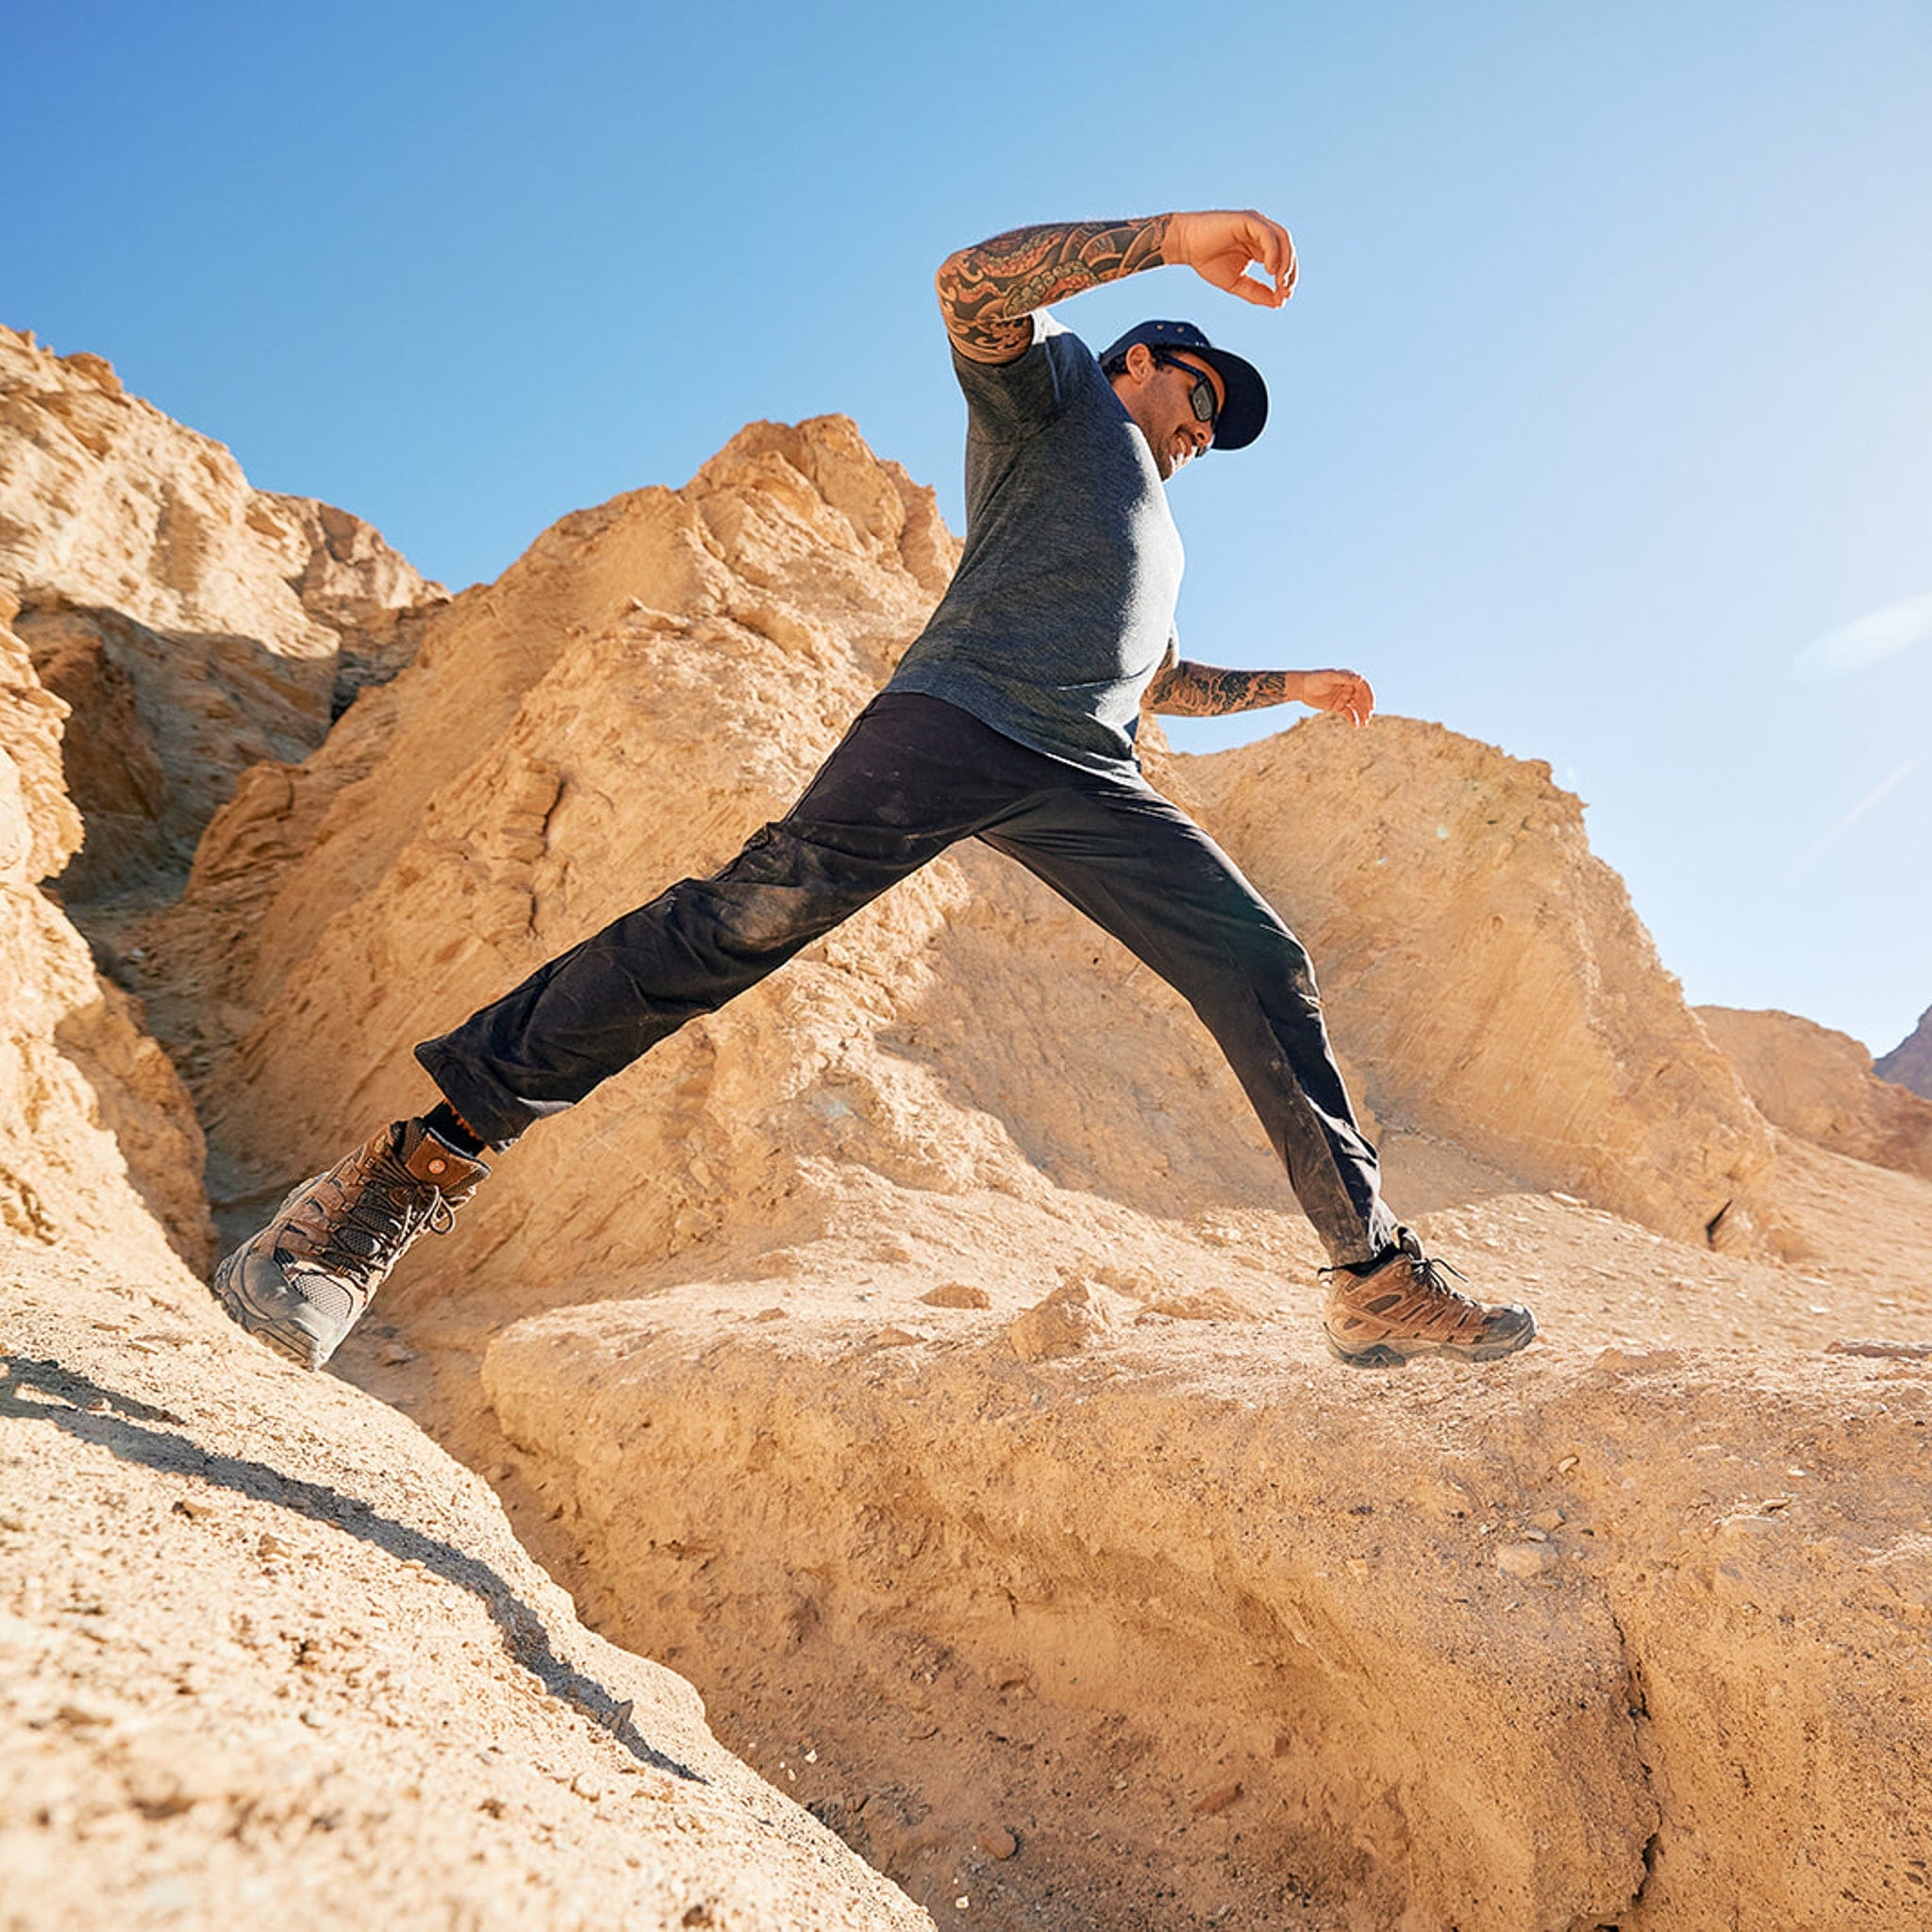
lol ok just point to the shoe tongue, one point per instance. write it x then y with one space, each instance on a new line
427 1157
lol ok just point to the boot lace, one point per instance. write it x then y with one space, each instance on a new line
1424 1270
385 1215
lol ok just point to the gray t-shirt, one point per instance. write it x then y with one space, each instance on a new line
1062 607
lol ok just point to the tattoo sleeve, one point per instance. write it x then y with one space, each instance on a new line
987 294
1184 689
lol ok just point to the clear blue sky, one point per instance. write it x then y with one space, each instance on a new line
1604 404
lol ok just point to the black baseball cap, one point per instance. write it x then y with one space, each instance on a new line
1244 413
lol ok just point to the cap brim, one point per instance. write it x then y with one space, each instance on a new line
1244 413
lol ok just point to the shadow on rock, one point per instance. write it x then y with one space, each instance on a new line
37 1391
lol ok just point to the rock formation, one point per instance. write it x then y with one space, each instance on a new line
262 1642
916 1355
96 1131
656 676
193 626
1909 1063
267 1656
1820 1084
1485 969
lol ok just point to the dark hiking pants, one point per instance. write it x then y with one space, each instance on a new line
910 777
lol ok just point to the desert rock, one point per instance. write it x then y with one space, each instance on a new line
96 1131
1071 1318
1486 970
1820 1084
193 624
1218 1631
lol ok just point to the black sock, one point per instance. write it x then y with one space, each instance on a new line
448 1125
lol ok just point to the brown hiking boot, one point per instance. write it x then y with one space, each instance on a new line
1405 1307
301 1283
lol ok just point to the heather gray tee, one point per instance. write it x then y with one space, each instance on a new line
1062 607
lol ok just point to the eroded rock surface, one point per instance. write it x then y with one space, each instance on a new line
194 625
96 1130
1486 971
268 1654
919 1356
1614 1636
1820 1084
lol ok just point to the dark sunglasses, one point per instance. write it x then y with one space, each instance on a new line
1201 395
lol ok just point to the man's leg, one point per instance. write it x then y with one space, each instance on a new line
910 777
1141 868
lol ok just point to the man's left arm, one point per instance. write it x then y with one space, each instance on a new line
1182 689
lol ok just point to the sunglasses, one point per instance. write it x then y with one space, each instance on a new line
1201 395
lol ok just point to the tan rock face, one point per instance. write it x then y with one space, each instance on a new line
137 1701
193 624
1486 970
658 676
160 728
1819 1083
922 1352
1070 1318
96 1126
263 1636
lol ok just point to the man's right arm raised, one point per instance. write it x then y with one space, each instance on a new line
988 292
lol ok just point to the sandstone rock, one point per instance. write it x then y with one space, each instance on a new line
1483 967
193 623
1074 1316
957 1294
96 1128
161 727
1525 1560
1819 1083
982 1590
1211 1304
250 1711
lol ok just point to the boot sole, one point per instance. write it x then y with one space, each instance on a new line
1391 1355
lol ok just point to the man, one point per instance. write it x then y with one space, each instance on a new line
1011 720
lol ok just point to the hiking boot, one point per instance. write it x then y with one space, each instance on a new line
1405 1307
301 1284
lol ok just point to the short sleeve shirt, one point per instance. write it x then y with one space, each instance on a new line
1062 607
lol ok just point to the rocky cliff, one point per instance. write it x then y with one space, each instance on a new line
918 1355
194 626
1821 1084
265 1648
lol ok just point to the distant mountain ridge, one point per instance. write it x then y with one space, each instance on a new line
1909 1063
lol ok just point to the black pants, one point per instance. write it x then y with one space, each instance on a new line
910 777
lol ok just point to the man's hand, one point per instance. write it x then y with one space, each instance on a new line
1344 692
1219 246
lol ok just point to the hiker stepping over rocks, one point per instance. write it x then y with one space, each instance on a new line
1011 720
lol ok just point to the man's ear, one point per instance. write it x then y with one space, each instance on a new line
1139 361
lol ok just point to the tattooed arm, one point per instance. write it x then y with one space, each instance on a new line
1184 689
987 294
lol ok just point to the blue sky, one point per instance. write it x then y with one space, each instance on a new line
1603 415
